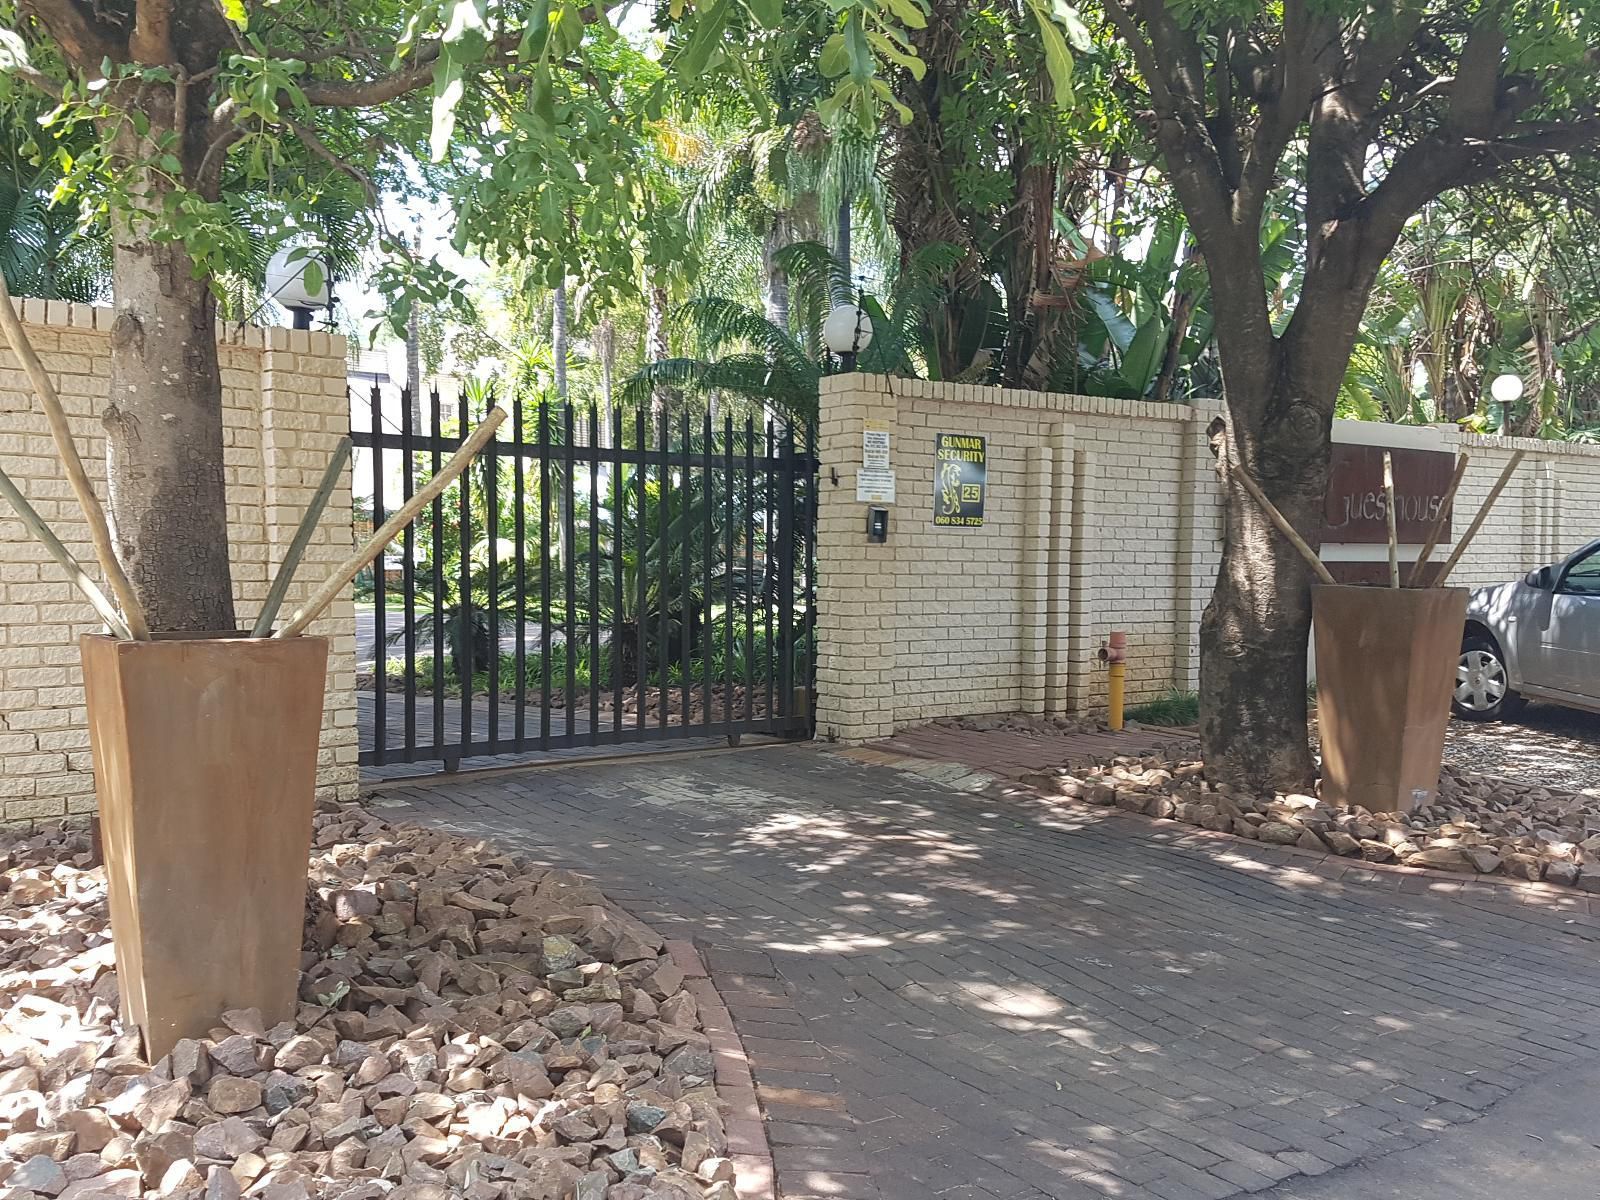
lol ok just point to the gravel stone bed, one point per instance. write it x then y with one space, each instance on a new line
1478 826
1545 745
469 1026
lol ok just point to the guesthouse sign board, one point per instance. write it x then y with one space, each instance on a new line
1353 509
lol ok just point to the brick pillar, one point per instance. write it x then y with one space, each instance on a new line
305 410
857 581
1192 574
1058 627
1036 573
1084 688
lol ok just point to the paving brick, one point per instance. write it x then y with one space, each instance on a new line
1002 1002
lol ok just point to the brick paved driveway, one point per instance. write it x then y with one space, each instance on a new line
948 994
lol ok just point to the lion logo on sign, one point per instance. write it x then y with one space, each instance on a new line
950 489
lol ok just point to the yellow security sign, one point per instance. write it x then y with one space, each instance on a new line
961 476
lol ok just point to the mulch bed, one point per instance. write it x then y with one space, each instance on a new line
469 1026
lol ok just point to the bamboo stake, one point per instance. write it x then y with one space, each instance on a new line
1477 521
1282 522
302 538
99 530
36 526
1440 520
1388 514
402 516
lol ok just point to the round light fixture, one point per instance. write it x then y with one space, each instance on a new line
1506 389
286 278
847 329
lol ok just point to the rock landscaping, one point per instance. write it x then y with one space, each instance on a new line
469 1026
1478 826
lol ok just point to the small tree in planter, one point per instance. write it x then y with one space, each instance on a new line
1373 110
205 752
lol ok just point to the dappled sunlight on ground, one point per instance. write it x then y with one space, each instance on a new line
1077 992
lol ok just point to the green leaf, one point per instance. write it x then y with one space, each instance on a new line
908 12
13 50
1142 359
313 276
466 31
707 33
768 13
1066 15
833 61
448 86
1057 57
858 51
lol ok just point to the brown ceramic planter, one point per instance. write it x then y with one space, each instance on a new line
205 755
1386 662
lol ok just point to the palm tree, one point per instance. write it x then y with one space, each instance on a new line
744 354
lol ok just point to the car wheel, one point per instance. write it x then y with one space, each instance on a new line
1483 692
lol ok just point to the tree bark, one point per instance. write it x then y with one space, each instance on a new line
558 339
841 242
168 497
776 238
1254 631
414 367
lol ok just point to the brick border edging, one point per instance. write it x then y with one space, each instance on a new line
736 1085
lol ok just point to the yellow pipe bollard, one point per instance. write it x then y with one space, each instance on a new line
1115 653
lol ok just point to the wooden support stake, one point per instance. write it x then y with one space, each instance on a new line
1388 514
36 526
1477 521
1282 522
1440 520
302 539
403 516
99 530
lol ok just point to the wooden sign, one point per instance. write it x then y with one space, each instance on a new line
1353 509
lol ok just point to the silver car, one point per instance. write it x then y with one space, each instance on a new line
1535 639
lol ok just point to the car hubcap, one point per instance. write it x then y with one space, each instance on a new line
1480 680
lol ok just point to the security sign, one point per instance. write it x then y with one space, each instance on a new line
961 475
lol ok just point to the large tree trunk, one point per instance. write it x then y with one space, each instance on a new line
163 426
777 282
1255 630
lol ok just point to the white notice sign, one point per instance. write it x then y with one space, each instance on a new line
875 485
875 447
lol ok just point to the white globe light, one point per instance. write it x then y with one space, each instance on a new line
847 330
1506 389
286 279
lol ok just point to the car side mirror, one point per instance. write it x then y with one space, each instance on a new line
1544 579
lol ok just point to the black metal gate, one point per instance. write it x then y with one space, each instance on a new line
588 581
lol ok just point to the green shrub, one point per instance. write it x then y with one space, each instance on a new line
1177 707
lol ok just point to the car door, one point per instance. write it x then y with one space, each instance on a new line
1570 638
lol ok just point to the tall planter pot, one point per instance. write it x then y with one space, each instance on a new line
205 756
1386 663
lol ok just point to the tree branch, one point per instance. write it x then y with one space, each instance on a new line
320 148
83 41
364 93
151 40
32 76
1477 82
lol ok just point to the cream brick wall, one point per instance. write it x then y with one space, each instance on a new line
1083 533
1101 514
1550 508
285 408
